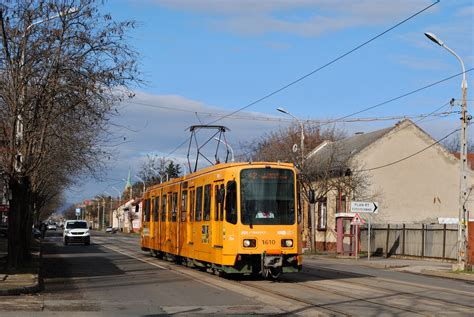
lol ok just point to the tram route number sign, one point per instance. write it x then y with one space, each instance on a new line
365 207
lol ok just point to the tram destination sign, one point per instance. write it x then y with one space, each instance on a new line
365 206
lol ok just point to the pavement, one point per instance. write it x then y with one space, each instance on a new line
28 280
24 281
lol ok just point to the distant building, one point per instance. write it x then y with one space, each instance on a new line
130 210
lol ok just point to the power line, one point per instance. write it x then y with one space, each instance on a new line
410 156
316 70
401 96
279 119
328 63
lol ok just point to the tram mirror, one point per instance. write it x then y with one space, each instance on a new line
221 195
312 196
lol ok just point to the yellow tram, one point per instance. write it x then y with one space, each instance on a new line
233 218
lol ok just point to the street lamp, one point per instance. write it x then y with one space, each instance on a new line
302 134
159 174
228 146
141 180
462 223
110 210
301 170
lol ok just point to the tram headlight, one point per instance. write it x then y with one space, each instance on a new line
249 243
288 243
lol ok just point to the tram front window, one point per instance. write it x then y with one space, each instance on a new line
267 197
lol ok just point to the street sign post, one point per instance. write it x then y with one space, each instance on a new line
78 212
366 207
356 222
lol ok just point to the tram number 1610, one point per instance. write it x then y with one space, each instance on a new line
268 242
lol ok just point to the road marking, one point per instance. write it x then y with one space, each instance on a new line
135 257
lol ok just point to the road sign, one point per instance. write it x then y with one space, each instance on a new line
78 211
357 221
365 206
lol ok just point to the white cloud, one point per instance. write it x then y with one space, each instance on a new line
300 17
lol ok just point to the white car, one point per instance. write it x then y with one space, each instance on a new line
52 226
76 231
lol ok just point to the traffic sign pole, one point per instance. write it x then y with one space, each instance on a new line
368 241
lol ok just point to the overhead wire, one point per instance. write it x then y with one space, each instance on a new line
409 156
328 63
317 69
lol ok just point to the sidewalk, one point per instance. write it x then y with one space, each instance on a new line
430 267
24 281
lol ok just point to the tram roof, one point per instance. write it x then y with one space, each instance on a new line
222 166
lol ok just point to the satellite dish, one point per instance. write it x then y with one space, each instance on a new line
295 148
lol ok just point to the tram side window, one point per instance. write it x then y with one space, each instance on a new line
156 206
163 208
191 207
231 203
199 203
184 205
216 203
147 210
175 207
221 205
170 205
207 202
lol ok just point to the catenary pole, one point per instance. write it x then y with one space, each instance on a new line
462 256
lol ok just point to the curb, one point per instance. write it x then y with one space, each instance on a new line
454 276
36 287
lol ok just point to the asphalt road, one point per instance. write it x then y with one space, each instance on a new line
113 277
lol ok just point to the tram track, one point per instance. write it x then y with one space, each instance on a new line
342 298
423 288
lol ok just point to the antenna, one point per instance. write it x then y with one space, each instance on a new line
218 134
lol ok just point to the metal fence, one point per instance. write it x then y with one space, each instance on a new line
419 240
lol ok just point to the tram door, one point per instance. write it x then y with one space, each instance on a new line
173 224
218 215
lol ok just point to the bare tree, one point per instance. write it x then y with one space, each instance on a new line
156 169
63 67
453 145
131 215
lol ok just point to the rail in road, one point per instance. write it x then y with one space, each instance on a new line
318 289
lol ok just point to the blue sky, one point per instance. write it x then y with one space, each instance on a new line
214 57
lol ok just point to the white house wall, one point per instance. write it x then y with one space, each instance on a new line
418 189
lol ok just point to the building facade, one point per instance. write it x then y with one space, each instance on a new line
409 174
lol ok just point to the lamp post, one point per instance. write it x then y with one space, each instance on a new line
120 203
141 180
228 146
463 215
110 210
301 136
301 170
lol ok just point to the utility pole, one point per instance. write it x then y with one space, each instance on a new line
462 256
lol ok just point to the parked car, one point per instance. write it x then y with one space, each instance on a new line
76 231
109 229
52 226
